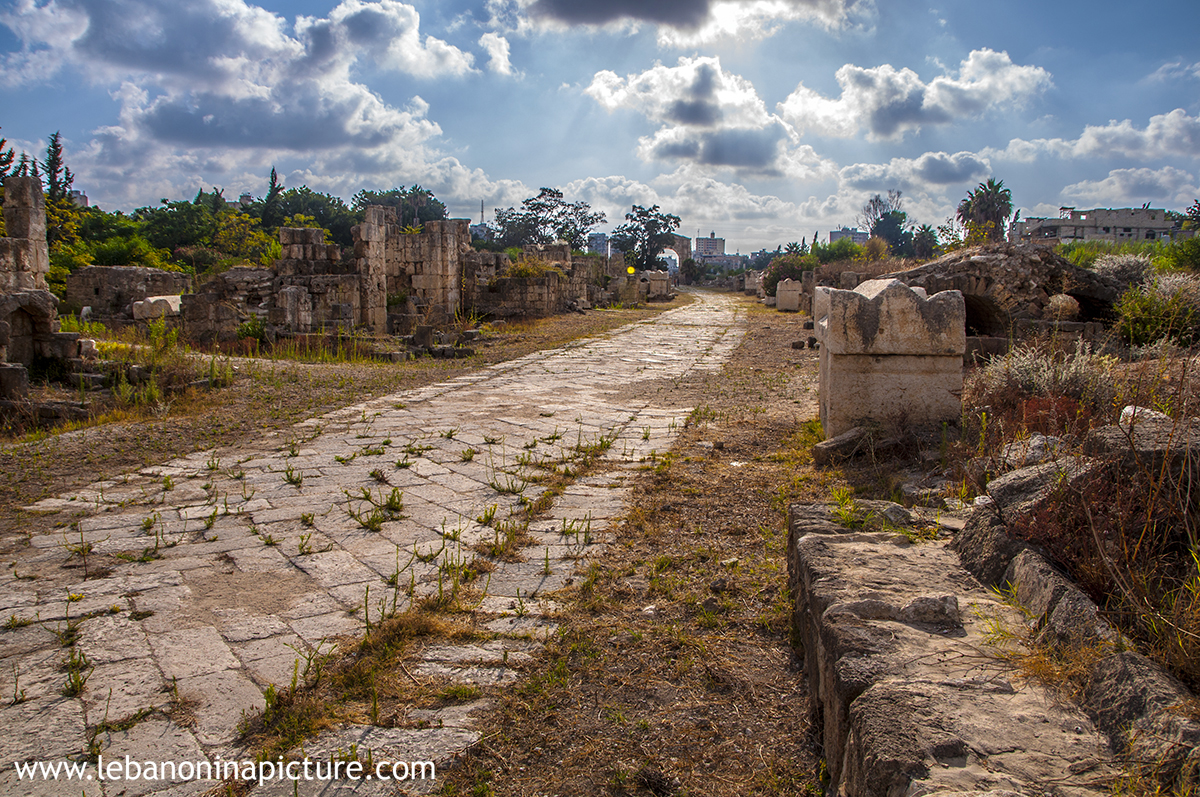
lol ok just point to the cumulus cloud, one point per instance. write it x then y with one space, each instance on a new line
1124 186
1168 135
708 116
680 23
890 102
933 170
223 88
496 46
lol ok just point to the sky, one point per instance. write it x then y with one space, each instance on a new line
764 121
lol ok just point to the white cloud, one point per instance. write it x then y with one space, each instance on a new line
709 117
496 47
1176 70
890 102
1168 135
679 23
1125 186
931 171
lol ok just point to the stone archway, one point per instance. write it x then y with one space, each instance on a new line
682 247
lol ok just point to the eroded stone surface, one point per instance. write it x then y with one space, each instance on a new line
894 641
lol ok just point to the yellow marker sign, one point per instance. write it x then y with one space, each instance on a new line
631 269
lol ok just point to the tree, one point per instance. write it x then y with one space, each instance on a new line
690 271
271 216
787 266
893 227
546 218
414 205
58 177
6 158
988 202
645 234
793 248
330 212
877 207
1193 212
925 242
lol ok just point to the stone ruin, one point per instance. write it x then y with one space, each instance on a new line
112 291
29 331
890 354
394 281
1014 290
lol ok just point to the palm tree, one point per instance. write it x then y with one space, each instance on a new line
990 203
925 242
793 248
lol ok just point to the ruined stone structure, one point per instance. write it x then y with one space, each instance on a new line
1004 283
28 311
888 354
111 290
393 281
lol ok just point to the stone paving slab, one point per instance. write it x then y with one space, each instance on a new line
255 556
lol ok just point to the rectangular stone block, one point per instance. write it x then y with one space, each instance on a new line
787 295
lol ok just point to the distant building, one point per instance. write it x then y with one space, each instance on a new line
597 243
246 199
480 231
78 198
1099 224
853 233
725 262
709 247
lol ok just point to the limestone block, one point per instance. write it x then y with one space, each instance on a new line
157 307
808 281
14 381
787 295
848 280
888 317
889 354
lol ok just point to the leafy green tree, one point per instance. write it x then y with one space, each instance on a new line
330 212
841 249
646 233
1193 212
793 248
546 218
270 214
177 224
925 242
894 227
787 266
414 205
7 156
877 207
989 202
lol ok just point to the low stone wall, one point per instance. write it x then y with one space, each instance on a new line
894 640
111 290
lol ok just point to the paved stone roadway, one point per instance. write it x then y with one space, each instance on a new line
261 562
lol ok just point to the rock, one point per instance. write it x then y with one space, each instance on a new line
1033 450
890 634
840 448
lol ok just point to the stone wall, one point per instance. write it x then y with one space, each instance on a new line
24 256
28 311
111 290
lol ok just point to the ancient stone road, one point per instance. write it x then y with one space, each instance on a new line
265 555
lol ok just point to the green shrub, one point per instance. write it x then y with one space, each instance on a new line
1184 255
1166 309
254 329
1085 253
531 268
787 267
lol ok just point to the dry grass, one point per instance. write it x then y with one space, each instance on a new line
673 672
